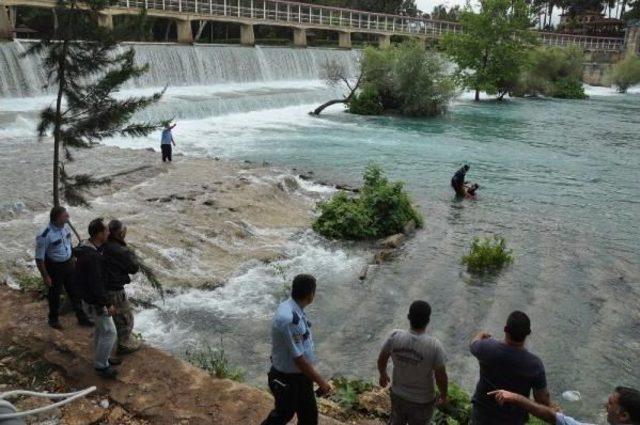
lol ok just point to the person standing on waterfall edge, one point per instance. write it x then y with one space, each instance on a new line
507 365
54 259
120 262
166 141
417 358
457 181
292 372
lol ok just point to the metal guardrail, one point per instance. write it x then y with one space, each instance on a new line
291 13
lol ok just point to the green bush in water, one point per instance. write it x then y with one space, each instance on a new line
215 362
381 209
487 255
404 79
567 88
552 72
366 102
625 73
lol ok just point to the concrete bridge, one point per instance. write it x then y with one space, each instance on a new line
298 16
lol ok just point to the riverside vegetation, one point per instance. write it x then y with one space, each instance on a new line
552 72
625 73
381 208
404 79
487 255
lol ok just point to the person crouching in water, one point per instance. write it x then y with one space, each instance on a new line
91 276
457 181
120 263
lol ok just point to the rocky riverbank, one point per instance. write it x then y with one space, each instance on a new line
195 221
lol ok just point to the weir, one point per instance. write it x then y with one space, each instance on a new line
178 65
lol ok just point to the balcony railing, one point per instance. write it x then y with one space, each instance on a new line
325 17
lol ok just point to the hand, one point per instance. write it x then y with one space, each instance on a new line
384 380
503 396
111 311
324 389
442 400
484 335
47 281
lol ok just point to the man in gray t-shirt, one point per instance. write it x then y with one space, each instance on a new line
418 360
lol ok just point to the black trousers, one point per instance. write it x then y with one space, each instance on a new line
293 393
166 152
62 277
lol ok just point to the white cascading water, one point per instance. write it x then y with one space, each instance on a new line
202 80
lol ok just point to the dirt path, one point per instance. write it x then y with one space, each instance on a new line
152 384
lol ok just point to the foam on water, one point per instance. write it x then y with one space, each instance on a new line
252 293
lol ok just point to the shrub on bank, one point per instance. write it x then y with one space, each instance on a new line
487 255
552 72
215 362
625 73
381 209
404 79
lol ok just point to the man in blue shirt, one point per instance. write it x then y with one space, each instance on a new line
292 373
507 365
166 140
623 407
54 259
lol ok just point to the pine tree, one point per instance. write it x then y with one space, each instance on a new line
85 66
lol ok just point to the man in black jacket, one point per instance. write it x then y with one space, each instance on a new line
91 276
120 263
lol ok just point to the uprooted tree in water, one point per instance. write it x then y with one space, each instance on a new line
336 74
403 80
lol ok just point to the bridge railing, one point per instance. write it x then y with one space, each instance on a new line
339 19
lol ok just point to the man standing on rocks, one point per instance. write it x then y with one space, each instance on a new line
91 276
418 360
507 365
54 259
166 141
120 262
292 373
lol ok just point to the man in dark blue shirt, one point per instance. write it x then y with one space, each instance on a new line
457 181
507 365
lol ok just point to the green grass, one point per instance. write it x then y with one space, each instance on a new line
215 362
347 391
487 255
30 283
458 409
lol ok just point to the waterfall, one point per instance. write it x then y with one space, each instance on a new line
179 65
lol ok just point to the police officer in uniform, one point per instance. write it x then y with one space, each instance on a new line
292 373
54 258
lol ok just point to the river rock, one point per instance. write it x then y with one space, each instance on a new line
376 402
116 415
288 184
383 256
82 412
393 241
409 227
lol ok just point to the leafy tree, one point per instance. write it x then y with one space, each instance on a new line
625 73
441 13
85 67
553 72
406 79
491 50
634 10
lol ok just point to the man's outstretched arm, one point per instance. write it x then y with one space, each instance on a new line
540 411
